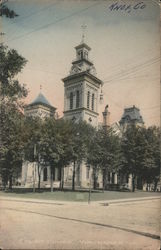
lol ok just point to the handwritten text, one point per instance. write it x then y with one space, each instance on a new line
127 7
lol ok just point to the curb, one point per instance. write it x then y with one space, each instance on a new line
130 200
102 202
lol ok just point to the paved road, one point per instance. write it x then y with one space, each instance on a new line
130 225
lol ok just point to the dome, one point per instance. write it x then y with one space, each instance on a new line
40 99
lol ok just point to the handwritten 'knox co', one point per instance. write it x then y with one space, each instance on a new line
127 7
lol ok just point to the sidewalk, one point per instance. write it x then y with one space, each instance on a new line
103 202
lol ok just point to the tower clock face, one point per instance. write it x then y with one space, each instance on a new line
93 70
75 69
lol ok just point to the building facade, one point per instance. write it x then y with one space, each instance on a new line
41 108
81 100
131 115
81 88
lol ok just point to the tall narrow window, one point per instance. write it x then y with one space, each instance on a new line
87 172
71 100
77 99
113 178
88 99
45 174
81 54
86 55
92 101
109 177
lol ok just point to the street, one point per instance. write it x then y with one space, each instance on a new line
65 225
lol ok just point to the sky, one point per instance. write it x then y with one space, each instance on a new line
125 49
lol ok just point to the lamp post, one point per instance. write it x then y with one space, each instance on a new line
89 193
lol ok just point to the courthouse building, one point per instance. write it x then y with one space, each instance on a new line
81 100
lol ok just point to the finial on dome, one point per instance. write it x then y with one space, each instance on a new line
83 32
40 87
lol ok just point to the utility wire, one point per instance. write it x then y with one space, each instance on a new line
119 69
54 22
136 68
127 64
32 14
133 70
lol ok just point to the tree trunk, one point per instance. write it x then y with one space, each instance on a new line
73 179
89 194
133 183
105 172
51 178
155 185
62 179
10 182
34 172
5 181
39 176
39 181
94 179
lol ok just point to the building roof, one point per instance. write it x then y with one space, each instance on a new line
131 114
83 74
41 99
81 45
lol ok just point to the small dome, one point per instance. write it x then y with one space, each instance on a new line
41 99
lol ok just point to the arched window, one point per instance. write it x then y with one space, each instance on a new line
80 54
92 101
71 100
88 99
77 99
85 54
45 174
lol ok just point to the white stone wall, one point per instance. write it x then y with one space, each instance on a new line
90 118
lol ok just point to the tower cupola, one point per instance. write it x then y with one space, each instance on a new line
82 62
81 87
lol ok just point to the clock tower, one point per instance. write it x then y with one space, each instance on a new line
81 88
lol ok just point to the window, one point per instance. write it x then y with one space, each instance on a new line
113 178
109 177
59 174
77 99
80 53
86 55
92 101
45 174
71 100
87 172
88 99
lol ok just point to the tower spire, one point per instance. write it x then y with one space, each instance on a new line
83 32
40 87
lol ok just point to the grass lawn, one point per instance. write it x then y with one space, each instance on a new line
79 195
